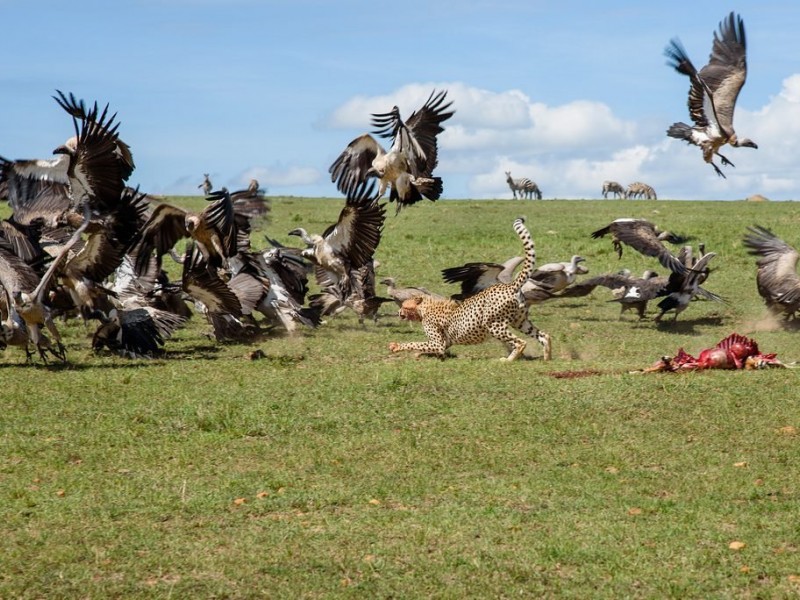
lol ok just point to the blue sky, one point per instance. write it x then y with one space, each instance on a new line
567 93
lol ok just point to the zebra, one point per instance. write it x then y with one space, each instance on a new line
641 190
525 187
206 185
612 187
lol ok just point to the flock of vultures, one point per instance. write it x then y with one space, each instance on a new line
81 242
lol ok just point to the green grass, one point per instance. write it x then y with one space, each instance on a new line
332 468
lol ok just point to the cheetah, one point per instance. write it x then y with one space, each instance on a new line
490 312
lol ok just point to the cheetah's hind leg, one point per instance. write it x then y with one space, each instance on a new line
543 338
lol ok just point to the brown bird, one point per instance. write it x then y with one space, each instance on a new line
36 189
644 237
349 243
632 293
476 276
776 277
401 294
98 163
136 332
713 91
682 287
213 231
214 297
29 303
408 166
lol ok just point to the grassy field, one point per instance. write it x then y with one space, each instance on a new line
331 468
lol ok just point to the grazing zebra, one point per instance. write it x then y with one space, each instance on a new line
206 185
612 187
525 187
641 190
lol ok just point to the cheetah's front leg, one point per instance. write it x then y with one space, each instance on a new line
435 345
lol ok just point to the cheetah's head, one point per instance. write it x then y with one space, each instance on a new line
409 310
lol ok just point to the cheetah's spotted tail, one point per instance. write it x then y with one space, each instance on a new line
530 253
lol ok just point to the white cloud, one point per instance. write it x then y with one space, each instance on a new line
475 107
570 149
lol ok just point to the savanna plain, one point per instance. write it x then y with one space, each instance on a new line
332 468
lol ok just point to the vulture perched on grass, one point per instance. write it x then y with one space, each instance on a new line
407 168
136 332
713 91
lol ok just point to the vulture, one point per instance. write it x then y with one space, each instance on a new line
287 290
98 164
407 168
363 300
644 236
776 277
77 109
541 285
36 189
349 243
558 275
109 240
15 275
214 297
136 332
213 230
476 276
682 287
632 293
401 294
251 202
25 297
713 91
91 168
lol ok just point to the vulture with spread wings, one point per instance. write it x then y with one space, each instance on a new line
408 166
349 243
644 236
713 91
213 230
776 278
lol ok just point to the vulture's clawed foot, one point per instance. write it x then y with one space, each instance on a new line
60 352
725 161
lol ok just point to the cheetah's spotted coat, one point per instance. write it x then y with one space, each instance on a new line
490 312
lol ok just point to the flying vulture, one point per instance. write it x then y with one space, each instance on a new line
713 91
407 168
644 236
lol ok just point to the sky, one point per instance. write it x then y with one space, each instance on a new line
567 93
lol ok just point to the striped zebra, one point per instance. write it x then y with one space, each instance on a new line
525 187
612 187
641 190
